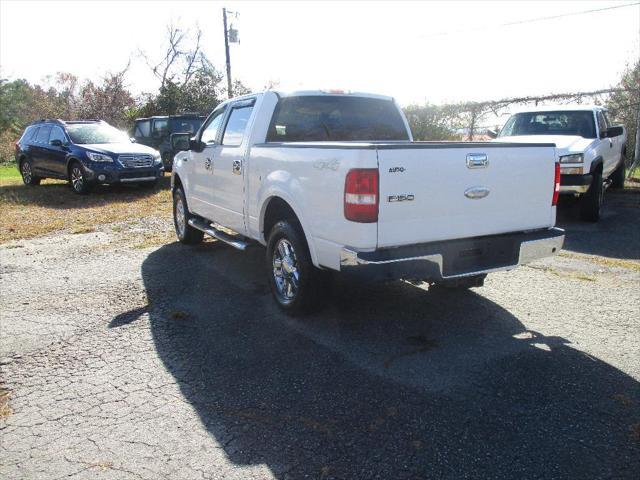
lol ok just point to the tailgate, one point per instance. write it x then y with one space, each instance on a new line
442 192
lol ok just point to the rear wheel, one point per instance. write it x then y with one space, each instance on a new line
297 286
78 179
591 201
617 178
186 233
27 173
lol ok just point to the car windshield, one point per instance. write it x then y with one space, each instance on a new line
578 123
89 133
185 125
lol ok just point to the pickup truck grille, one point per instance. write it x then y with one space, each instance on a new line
136 161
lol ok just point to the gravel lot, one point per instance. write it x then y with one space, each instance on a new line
125 355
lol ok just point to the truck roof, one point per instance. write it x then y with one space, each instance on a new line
182 115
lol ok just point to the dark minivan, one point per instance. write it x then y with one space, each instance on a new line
156 132
84 152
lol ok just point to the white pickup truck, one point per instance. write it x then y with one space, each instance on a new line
332 181
591 150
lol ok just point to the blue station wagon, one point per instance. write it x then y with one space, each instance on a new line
86 153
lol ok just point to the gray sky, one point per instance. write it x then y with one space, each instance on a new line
417 52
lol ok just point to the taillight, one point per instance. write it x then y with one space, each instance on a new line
556 186
361 195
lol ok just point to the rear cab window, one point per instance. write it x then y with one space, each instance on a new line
338 118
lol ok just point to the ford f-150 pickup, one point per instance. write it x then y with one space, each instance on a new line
591 150
332 181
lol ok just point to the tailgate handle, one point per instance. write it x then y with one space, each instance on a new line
477 160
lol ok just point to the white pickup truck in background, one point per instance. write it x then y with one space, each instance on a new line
332 181
591 150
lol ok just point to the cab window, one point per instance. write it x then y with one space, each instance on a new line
237 125
210 132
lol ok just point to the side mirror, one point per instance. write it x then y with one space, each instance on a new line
492 134
615 131
181 142
56 142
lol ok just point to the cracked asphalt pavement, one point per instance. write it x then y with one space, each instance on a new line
172 362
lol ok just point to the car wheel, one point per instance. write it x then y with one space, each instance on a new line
591 202
186 233
296 284
27 174
618 176
78 179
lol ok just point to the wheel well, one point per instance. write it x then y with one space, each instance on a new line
177 183
277 210
69 163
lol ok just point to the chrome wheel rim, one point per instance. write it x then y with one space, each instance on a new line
26 172
285 271
181 221
76 178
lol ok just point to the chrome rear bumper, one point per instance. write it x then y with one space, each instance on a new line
454 258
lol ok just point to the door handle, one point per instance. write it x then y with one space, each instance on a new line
208 164
237 167
477 160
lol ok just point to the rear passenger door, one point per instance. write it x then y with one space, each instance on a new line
39 155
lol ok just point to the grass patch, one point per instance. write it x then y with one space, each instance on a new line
28 212
9 171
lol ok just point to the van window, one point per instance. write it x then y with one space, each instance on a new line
236 125
160 127
143 128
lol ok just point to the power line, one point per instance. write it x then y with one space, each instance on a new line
532 20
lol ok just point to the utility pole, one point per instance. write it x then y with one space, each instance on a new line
226 50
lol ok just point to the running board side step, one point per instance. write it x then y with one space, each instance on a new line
218 234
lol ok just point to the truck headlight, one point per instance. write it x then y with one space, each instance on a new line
99 157
574 158
157 159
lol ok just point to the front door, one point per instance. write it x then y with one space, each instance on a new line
605 149
228 176
202 166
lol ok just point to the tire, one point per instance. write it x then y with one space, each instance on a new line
591 201
463 283
618 176
186 233
78 179
26 171
297 286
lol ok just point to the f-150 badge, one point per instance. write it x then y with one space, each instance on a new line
401 198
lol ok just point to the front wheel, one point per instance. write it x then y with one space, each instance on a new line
27 174
186 233
297 286
78 180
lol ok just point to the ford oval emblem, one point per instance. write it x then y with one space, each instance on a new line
476 193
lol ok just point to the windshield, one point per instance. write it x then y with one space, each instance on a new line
186 125
88 133
578 123
336 118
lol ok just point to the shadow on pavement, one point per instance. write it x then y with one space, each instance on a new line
388 382
616 235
